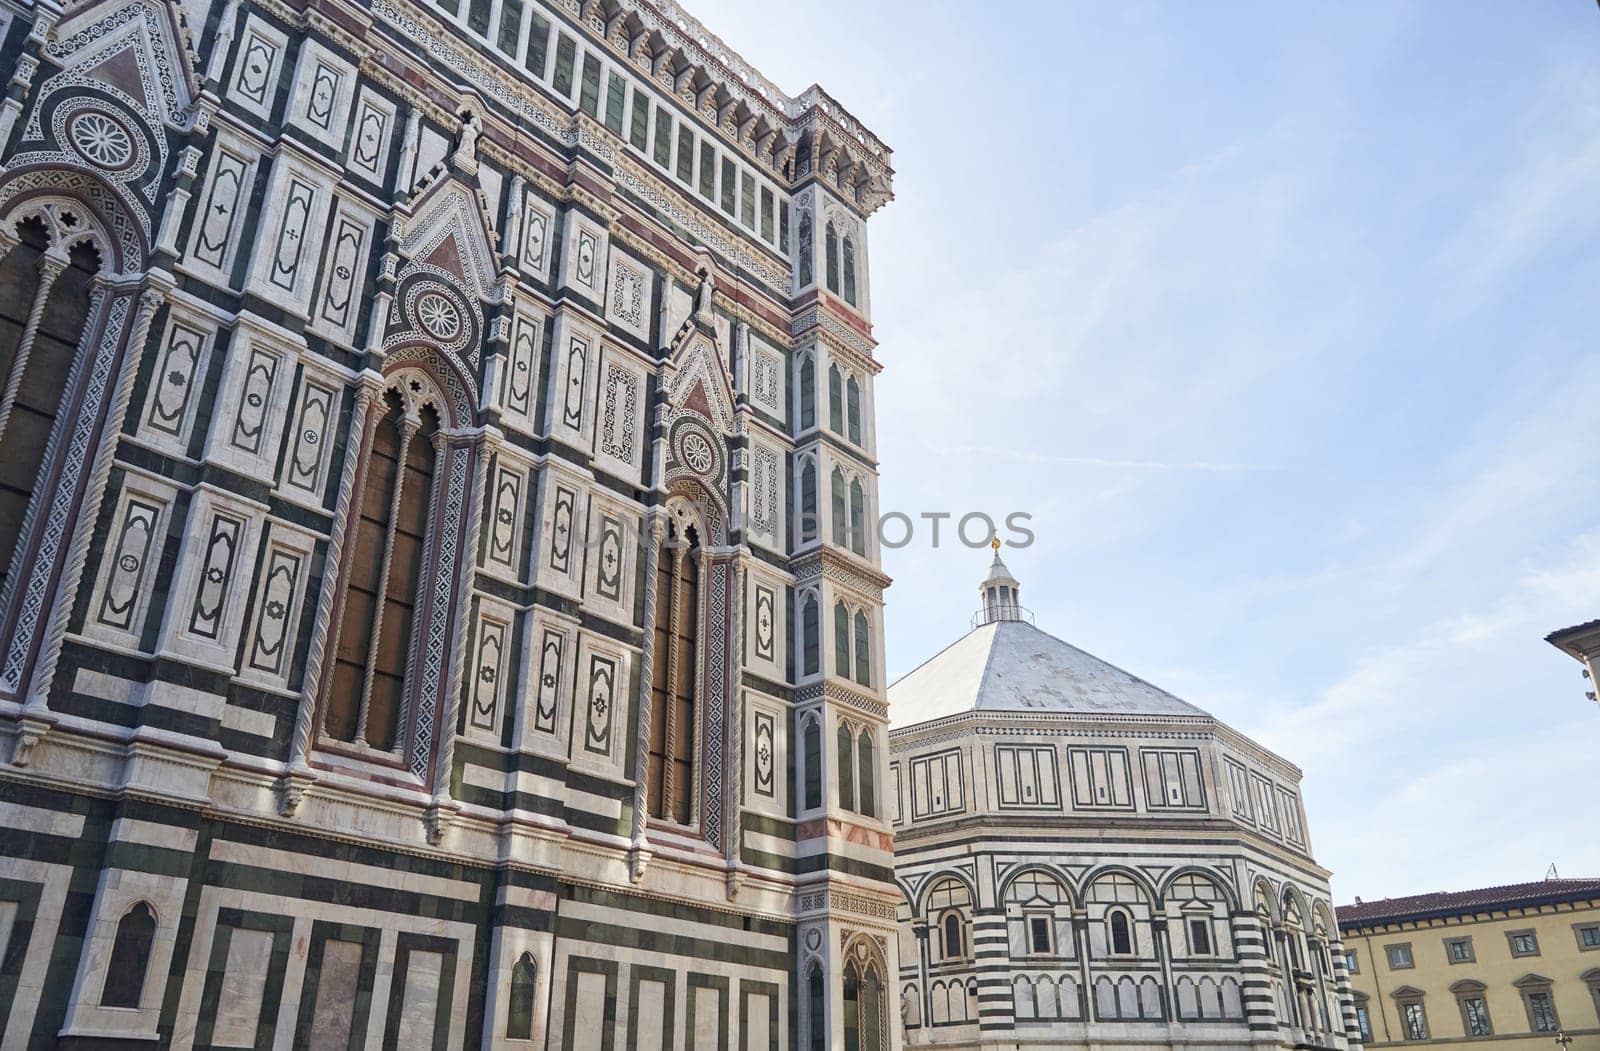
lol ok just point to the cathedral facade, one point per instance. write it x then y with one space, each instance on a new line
1087 861
436 485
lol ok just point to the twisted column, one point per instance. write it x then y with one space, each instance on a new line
639 849
331 612
50 267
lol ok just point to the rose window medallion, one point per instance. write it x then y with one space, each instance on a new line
439 316
101 140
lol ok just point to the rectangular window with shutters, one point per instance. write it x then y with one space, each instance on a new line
1172 779
1200 937
1239 791
639 126
566 56
708 171
936 787
1026 775
589 96
1101 778
616 98
730 185
538 45
685 154
510 27
663 143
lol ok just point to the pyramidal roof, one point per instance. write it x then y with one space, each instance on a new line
1008 665
1012 666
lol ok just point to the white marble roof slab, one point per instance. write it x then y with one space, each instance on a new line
1012 666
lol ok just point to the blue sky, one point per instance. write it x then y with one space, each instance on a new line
1284 330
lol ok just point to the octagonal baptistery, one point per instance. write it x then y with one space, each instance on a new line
1088 861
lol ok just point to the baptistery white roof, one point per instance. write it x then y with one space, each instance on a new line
1008 665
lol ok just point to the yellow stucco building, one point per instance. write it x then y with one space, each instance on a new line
1516 966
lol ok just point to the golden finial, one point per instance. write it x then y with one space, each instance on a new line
994 542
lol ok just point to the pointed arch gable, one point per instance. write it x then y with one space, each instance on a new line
701 382
139 48
447 225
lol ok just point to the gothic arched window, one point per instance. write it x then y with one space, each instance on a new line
130 957
849 271
866 773
808 392
841 520
830 247
385 576
841 640
519 1015
847 784
852 1007
852 397
858 518
816 1026
863 649
810 635
835 400
674 673
813 745
808 500
45 303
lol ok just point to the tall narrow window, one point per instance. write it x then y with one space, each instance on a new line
835 400
813 745
953 949
841 520
867 773
808 500
871 1011
639 123
673 674
850 271
816 1030
807 273
616 97
685 154
1200 937
130 957
858 518
708 169
1039 935
847 781
808 393
852 1008
663 143
538 45
566 55
853 410
589 94
830 246
730 186
841 641
810 636
381 591
41 322
519 1015
510 27
1121 934
863 641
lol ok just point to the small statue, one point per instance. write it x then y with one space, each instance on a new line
908 1010
467 149
708 285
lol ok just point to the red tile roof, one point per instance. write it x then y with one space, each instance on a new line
1466 902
